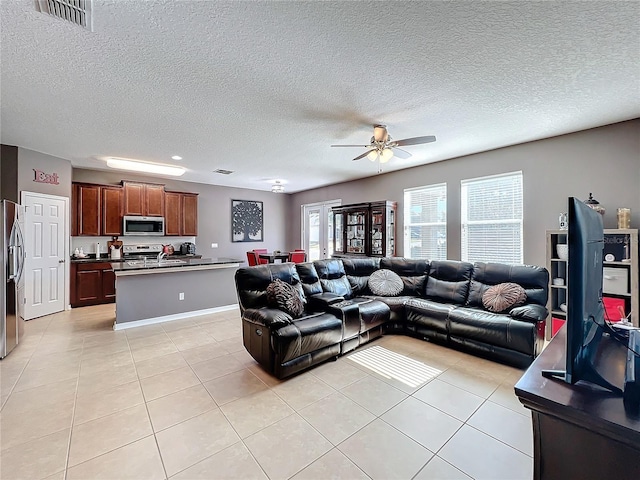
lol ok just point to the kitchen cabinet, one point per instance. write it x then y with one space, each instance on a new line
87 209
181 214
189 227
146 199
364 229
112 207
96 210
92 283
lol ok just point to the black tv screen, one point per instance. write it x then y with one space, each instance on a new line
585 310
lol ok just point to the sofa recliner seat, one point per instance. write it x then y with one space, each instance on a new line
440 301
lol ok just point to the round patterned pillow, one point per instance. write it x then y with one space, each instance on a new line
385 283
503 296
285 297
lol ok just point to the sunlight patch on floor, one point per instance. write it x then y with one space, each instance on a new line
390 364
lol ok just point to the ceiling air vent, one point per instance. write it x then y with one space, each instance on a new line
223 172
77 12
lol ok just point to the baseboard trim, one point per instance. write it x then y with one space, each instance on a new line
169 318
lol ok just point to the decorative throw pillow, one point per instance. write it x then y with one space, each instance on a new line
385 283
285 297
503 296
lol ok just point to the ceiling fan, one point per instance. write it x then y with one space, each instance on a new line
383 148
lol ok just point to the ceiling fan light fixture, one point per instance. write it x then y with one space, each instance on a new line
373 155
277 187
386 155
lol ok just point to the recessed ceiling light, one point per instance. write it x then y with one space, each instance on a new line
137 166
176 157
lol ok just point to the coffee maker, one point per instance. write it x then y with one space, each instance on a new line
188 248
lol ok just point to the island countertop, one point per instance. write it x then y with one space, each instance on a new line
140 267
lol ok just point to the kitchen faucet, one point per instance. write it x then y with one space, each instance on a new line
161 255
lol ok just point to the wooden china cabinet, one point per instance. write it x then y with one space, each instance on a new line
364 229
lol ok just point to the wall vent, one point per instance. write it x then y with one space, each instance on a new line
77 12
223 172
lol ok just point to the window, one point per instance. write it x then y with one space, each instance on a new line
425 222
492 219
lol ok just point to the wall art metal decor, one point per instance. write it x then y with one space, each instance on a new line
246 221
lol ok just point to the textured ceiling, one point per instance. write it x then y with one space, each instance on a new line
263 88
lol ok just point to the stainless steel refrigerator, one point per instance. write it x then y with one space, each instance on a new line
13 255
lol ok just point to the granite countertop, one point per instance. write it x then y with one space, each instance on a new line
92 258
124 266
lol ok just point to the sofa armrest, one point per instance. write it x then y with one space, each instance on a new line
531 312
321 301
271 318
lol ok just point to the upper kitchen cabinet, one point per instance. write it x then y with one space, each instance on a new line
87 215
112 206
181 214
144 199
97 210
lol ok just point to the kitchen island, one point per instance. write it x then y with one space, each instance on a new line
148 291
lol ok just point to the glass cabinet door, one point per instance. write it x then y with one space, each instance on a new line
356 227
338 234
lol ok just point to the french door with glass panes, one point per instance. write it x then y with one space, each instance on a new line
317 229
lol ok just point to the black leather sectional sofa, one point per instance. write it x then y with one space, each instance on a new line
440 301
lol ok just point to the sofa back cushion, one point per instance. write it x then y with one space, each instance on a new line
252 283
534 280
358 271
333 277
448 281
309 278
412 272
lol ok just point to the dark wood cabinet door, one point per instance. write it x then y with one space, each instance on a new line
172 213
108 285
74 210
133 198
189 215
89 287
154 200
88 209
112 200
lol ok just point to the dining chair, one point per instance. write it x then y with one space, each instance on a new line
252 258
297 256
258 251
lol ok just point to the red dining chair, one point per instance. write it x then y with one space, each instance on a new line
258 251
252 259
297 256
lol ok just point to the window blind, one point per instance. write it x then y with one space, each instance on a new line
491 217
425 222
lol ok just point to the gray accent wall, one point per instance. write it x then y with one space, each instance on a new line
28 160
214 213
604 160
9 173
140 297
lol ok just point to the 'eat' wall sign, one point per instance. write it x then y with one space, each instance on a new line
42 177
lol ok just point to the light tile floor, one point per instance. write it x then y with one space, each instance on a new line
184 400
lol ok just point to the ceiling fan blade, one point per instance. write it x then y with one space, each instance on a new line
359 146
415 141
398 152
362 156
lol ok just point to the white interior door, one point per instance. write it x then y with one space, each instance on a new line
317 230
44 272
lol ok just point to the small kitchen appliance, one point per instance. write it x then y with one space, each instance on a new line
188 248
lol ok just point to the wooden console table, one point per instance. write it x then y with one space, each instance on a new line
580 432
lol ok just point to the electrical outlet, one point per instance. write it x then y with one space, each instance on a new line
214 245
181 296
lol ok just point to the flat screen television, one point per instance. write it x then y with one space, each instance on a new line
585 310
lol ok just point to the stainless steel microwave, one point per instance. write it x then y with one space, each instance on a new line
137 225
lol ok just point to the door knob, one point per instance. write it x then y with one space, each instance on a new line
61 261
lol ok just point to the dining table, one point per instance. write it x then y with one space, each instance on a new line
271 257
